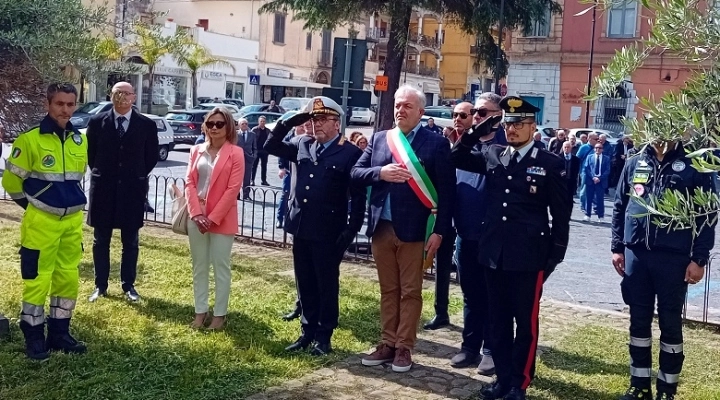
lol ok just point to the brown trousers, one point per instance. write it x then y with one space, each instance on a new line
400 272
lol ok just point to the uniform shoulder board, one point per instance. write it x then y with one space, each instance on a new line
29 130
534 152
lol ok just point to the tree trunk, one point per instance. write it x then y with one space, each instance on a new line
400 13
193 79
151 77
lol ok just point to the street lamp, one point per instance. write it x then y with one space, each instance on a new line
592 55
498 59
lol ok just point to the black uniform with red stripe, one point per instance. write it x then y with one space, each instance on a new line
518 246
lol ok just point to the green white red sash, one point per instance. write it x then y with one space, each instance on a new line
420 182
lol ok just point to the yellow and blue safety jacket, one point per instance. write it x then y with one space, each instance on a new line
46 167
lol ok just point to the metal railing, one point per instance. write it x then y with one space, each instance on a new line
258 217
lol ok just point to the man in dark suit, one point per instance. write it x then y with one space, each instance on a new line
122 152
517 244
261 134
537 137
318 217
248 142
621 152
572 168
398 219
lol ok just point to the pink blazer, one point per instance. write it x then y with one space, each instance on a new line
225 184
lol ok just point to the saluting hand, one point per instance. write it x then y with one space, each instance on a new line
618 261
694 273
394 173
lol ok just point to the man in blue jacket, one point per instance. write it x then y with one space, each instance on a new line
657 263
596 173
469 214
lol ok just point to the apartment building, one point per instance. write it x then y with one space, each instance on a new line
422 54
550 67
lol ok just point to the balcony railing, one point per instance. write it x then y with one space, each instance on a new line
424 40
324 58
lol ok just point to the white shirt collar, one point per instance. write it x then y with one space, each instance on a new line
126 115
523 150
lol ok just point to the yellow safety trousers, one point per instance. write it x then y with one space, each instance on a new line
50 254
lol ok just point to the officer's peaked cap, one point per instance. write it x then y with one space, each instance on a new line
320 105
515 109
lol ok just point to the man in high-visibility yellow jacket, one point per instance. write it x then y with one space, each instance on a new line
43 175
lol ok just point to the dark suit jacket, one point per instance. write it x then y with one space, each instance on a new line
318 202
249 146
119 169
589 170
516 235
572 169
409 215
539 144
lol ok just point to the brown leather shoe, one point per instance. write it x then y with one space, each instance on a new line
403 361
382 354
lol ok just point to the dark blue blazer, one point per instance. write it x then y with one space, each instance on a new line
589 169
409 215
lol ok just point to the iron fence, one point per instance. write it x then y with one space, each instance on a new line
258 222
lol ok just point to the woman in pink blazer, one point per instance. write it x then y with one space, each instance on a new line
214 176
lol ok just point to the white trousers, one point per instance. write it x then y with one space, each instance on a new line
210 249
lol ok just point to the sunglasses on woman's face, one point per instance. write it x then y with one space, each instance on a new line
213 124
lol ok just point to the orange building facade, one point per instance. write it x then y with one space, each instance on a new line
552 65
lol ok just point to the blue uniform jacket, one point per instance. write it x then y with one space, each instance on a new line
470 201
645 175
318 202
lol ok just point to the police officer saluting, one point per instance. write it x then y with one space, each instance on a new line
43 175
318 214
516 243
657 262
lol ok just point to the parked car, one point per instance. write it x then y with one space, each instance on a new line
236 102
362 115
166 137
285 116
257 108
82 114
546 132
210 106
293 103
186 125
253 118
612 137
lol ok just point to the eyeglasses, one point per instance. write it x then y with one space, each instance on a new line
482 112
515 125
462 115
322 119
598 148
214 124
124 93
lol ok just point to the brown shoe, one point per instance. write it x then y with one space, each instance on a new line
402 361
382 354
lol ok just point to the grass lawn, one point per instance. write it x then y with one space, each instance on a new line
147 351
592 363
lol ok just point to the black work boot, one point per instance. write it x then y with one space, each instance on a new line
34 341
665 396
59 337
635 393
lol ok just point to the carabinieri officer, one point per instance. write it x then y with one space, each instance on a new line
318 214
657 262
516 243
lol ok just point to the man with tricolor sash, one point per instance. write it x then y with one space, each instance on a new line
412 189
517 244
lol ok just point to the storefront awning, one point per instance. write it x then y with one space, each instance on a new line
273 81
431 87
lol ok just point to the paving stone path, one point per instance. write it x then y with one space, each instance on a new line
431 378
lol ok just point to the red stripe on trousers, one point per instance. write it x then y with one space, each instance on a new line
533 331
